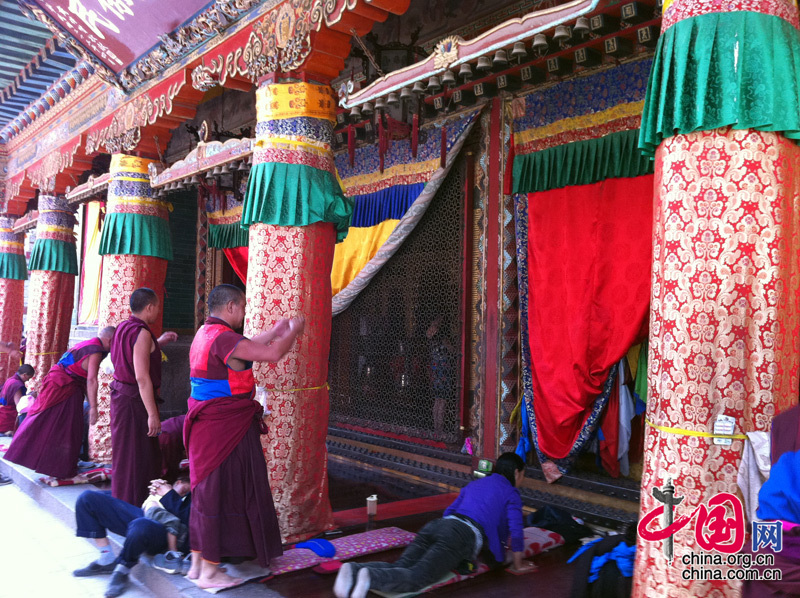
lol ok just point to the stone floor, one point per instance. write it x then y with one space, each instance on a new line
40 551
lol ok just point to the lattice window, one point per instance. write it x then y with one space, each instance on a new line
395 364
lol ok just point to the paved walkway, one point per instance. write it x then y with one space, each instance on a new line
40 552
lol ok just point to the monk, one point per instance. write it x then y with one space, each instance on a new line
49 440
135 421
232 510
12 392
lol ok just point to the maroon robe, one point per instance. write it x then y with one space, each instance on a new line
49 439
8 410
172 449
233 515
136 457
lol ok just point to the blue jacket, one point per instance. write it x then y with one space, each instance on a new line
496 505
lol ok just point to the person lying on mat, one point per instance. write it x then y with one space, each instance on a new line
480 520
96 513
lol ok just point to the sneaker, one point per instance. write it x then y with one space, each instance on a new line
87 465
93 569
5 480
117 585
170 562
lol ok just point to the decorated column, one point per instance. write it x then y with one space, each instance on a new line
13 274
721 114
54 265
295 209
135 246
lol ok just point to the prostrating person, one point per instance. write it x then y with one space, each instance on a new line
135 421
233 514
49 439
486 512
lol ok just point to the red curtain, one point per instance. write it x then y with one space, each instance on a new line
237 256
589 262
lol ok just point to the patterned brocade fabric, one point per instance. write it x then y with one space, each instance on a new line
50 300
122 274
289 273
12 297
724 322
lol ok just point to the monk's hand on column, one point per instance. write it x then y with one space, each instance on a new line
153 425
92 416
297 325
282 328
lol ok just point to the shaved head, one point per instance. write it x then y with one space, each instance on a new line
223 294
107 332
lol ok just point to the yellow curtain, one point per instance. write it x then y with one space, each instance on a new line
358 248
91 267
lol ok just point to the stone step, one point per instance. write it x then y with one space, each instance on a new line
61 503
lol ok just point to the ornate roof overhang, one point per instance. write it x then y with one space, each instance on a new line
102 31
454 51
203 158
94 188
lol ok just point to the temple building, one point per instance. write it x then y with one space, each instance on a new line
565 229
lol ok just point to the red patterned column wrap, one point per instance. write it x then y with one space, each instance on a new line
12 306
12 291
289 274
51 291
295 208
50 302
141 228
724 322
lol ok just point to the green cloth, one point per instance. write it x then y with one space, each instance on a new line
136 234
295 195
13 266
54 256
640 384
224 236
581 163
734 68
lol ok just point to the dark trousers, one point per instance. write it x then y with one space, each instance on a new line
99 512
438 548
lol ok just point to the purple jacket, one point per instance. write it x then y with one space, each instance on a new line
496 505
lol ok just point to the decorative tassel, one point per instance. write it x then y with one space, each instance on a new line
443 157
381 140
351 145
414 135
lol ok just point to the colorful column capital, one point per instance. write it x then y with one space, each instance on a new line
55 248
12 251
136 223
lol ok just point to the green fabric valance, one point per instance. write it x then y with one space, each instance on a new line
581 163
12 265
738 68
136 234
54 256
225 236
295 195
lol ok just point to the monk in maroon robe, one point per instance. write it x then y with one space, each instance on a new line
49 440
135 421
232 510
12 392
